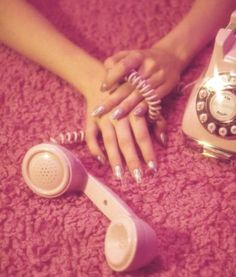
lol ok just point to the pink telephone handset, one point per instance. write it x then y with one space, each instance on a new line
210 115
50 170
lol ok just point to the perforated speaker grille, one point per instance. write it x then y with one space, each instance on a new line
45 170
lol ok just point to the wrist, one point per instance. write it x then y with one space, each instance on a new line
178 53
84 72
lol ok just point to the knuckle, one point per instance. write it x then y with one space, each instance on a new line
150 62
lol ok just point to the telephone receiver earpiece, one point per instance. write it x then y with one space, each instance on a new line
50 170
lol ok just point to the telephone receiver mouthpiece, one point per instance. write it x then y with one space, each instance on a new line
50 170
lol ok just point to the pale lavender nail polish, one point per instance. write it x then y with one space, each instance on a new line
117 113
98 111
101 159
137 175
152 165
163 139
118 172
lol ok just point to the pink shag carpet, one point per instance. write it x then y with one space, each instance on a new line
190 202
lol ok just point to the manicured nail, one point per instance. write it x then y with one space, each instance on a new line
103 87
101 160
117 113
98 111
163 139
152 165
138 111
118 172
137 175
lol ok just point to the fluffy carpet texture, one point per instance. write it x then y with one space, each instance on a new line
190 202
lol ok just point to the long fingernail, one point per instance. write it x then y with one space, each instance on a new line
103 87
101 159
118 172
138 111
163 139
117 113
152 165
98 111
137 175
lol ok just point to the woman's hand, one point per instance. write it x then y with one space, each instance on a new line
123 140
159 68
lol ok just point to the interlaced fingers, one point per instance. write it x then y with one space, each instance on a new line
148 93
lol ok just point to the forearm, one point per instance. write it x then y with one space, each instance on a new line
197 29
26 31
